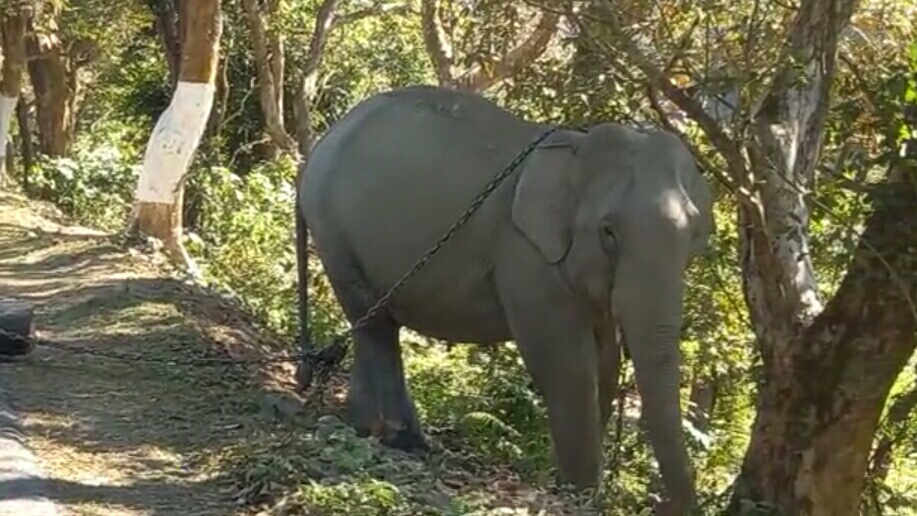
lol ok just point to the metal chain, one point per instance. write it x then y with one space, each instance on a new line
32 341
326 357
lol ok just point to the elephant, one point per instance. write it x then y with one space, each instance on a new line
592 232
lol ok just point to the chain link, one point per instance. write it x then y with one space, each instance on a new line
325 358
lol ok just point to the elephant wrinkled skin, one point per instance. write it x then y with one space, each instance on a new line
595 228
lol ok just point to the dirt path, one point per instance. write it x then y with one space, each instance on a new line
120 436
152 434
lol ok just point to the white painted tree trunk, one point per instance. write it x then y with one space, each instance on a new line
175 138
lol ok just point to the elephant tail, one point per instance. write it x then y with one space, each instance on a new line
304 370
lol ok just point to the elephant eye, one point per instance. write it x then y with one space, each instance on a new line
610 241
609 233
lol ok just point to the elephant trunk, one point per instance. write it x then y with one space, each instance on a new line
650 318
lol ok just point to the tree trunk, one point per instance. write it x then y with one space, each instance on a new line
267 46
178 132
53 95
820 404
25 138
12 29
168 26
826 371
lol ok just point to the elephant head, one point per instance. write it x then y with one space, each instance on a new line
622 212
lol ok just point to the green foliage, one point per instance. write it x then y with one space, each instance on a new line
246 243
332 471
94 185
483 398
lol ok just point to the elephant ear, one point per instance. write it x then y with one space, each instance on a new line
543 205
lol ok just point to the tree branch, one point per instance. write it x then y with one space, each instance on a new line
480 78
706 164
276 54
806 70
308 77
270 92
721 141
324 23
437 42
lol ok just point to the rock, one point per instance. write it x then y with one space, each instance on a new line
16 327
277 407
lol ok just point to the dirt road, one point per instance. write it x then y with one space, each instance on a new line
126 436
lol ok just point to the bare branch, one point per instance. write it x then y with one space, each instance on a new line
660 81
436 41
480 78
705 163
308 77
270 92
324 22
276 54
868 94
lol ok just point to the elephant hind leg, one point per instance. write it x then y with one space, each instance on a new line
379 402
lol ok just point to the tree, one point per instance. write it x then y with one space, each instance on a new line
159 193
13 30
55 58
168 27
270 63
827 367
268 46
486 69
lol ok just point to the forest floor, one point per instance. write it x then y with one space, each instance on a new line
125 420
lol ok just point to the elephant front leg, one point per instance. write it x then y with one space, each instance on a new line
608 349
558 348
561 359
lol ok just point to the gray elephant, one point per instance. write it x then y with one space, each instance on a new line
595 228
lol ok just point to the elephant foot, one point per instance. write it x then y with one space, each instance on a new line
406 440
396 432
400 436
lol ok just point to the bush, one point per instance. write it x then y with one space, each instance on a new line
94 186
248 246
